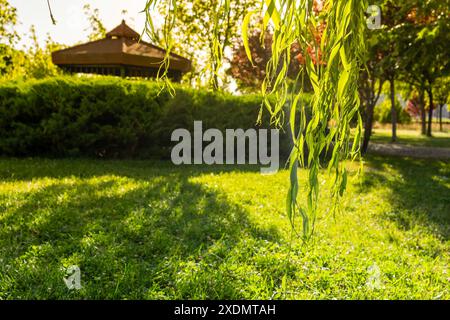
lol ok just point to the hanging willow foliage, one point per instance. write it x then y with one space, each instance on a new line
330 35
167 41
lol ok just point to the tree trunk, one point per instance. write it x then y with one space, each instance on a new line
440 117
430 112
422 112
368 125
393 111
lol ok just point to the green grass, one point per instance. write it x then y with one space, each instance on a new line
149 230
413 138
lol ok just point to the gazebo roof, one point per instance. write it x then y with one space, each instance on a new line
121 47
123 30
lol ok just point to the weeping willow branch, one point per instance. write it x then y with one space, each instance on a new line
167 39
332 63
222 13
330 36
51 13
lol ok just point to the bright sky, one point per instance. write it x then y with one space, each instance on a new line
71 21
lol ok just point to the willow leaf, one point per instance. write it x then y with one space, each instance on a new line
245 25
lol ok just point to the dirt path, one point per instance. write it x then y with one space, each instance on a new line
409 151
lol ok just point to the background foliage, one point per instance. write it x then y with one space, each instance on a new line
383 113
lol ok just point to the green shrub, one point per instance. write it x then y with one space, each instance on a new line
383 114
112 117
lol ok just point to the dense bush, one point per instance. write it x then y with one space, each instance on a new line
111 117
383 113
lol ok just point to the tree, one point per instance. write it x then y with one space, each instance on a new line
389 71
8 19
413 105
371 82
427 61
33 62
204 31
39 63
12 62
393 54
442 96
97 28
424 50
250 76
382 64
8 36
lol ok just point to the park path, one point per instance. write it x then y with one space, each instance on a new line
402 150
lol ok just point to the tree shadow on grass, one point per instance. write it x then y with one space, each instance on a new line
418 191
26 169
134 231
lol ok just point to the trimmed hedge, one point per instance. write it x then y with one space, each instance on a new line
111 117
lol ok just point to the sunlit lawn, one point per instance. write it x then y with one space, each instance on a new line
413 137
149 230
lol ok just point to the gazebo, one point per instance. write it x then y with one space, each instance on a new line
121 53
